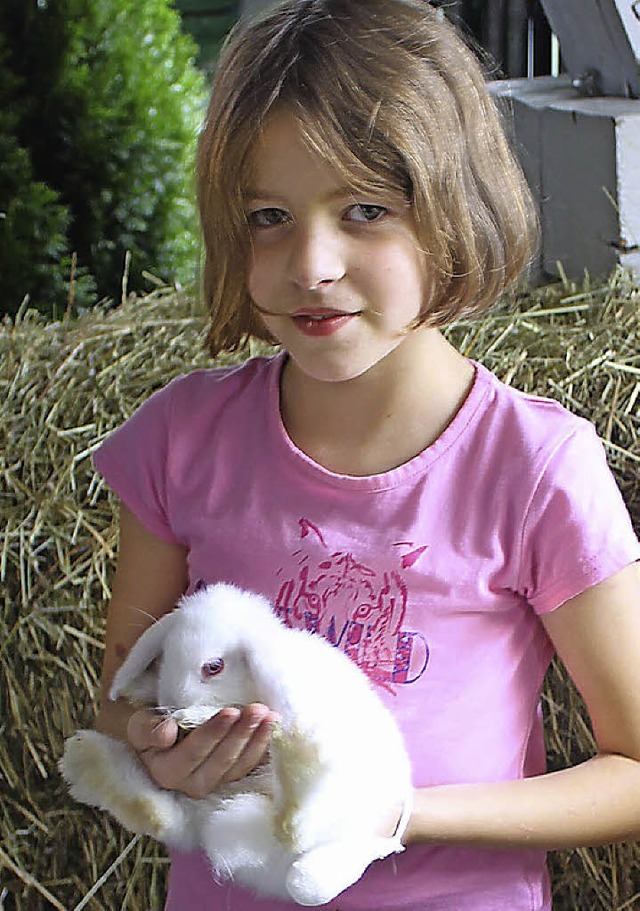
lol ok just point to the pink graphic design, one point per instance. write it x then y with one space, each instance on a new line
356 608
409 559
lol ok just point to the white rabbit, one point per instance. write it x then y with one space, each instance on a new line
306 825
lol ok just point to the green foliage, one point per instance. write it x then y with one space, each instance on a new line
104 104
33 223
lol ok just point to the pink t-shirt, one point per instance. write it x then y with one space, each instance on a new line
429 576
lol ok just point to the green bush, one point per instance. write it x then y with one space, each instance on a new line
33 222
101 103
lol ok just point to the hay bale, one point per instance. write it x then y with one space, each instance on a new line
63 387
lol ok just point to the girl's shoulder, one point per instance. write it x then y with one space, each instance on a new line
547 484
207 394
190 407
220 382
162 442
533 422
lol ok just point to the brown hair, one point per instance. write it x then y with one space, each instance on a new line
390 95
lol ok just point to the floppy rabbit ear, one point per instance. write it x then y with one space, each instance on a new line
148 647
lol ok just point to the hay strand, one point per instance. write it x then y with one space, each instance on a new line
107 873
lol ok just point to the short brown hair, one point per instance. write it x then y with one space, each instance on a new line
389 94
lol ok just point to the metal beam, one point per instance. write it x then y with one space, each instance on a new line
600 43
252 7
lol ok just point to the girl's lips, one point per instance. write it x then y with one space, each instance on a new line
319 323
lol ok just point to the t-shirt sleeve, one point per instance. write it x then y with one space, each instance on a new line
577 530
134 459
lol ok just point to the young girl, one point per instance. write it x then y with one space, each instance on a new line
447 532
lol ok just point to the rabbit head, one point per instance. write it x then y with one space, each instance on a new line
194 657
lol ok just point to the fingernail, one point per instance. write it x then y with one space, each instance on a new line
231 715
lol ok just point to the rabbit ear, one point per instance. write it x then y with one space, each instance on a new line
148 647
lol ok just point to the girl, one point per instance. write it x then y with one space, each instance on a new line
447 532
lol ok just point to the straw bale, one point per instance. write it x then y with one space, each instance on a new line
63 387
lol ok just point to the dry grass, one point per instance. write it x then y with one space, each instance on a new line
63 387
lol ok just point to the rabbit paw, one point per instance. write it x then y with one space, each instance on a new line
317 877
102 772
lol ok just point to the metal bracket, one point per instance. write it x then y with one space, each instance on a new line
588 84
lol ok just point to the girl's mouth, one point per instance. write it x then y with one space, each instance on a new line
321 322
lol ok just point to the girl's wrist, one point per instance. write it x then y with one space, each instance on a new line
433 816
412 831
404 820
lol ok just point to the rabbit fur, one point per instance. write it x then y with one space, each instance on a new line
305 825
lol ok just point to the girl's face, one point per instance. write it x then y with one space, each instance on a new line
336 275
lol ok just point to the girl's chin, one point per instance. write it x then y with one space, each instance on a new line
335 371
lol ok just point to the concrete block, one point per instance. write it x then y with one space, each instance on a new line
581 157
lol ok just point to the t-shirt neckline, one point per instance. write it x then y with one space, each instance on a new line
286 449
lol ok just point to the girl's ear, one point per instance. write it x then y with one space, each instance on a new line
148 647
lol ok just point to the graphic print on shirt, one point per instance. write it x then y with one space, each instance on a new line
356 608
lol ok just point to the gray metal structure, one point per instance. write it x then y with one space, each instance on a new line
600 44
251 7
578 139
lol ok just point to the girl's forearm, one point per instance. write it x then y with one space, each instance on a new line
597 802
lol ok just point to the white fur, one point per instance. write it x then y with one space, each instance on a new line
306 826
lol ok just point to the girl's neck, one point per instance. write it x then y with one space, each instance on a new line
384 418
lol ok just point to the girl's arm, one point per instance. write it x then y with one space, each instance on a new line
150 577
597 635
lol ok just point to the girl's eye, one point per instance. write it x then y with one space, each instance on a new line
267 218
212 668
365 213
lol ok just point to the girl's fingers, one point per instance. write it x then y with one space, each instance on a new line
200 743
149 730
225 748
179 769
254 753
236 755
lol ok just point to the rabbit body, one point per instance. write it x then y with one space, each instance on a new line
303 827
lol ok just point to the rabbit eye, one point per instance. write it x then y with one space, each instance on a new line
212 668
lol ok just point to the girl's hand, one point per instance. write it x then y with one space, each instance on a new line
223 749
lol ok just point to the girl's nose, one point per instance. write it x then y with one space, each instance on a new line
317 258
